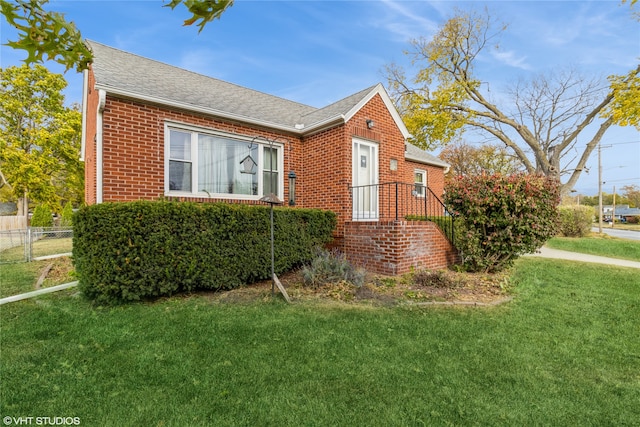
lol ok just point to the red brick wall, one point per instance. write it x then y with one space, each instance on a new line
133 148
435 176
386 133
396 247
133 153
326 173
133 158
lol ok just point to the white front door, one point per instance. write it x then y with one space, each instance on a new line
365 180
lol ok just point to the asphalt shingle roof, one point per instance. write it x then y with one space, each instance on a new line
126 73
414 153
131 75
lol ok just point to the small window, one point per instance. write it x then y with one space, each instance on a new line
180 164
270 171
420 183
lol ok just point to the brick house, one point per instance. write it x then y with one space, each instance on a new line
151 131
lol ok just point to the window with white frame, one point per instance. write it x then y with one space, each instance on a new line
420 182
207 163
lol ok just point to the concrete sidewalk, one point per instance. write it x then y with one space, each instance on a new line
575 256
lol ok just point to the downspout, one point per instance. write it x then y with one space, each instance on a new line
83 135
102 99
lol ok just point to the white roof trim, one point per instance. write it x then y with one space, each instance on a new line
427 162
380 90
325 124
190 107
296 130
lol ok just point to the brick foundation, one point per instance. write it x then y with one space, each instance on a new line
395 247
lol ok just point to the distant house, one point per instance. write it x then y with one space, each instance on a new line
151 130
622 212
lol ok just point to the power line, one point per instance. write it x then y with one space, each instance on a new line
625 142
622 180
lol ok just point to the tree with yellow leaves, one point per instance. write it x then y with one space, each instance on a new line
39 139
540 124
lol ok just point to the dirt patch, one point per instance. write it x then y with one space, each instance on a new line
419 287
56 272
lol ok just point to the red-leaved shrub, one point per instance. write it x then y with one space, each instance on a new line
499 218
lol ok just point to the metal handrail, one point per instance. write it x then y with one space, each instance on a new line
397 200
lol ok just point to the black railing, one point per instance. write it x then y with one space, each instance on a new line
396 200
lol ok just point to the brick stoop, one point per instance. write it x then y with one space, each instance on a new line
396 247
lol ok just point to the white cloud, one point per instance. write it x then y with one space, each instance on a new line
406 22
511 59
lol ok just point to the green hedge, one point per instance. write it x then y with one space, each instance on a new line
575 221
138 250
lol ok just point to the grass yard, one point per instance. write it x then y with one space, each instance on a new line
565 351
602 246
19 278
44 247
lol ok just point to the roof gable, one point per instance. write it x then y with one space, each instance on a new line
379 90
132 76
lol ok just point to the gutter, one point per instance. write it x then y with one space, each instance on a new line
320 126
190 107
102 99
444 165
83 134
295 130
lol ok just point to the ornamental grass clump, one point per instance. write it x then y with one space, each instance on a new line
330 267
499 218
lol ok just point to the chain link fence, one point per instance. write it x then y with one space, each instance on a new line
35 243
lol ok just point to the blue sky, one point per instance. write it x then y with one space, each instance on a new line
317 52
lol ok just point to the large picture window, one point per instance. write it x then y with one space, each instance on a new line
205 164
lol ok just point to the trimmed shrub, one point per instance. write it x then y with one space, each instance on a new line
42 216
575 221
67 216
132 251
499 218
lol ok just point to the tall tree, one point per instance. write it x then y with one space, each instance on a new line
547 115
632 193
466 159
39 137
48 35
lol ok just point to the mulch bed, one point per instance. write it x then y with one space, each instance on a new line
422 288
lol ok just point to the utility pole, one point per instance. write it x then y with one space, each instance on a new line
613 213
599 189
600 186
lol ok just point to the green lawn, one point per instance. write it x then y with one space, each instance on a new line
44 247
21 277
564 352
602 246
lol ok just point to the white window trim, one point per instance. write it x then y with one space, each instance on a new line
423 172
194 130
